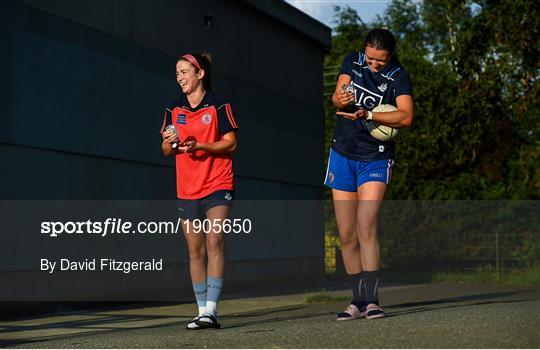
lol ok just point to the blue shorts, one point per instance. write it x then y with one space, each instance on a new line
346 174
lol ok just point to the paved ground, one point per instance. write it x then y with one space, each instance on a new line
420 316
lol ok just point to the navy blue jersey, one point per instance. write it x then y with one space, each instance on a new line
351 137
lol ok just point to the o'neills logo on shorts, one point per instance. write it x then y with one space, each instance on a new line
206 119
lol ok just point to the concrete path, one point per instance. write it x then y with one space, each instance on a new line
419 316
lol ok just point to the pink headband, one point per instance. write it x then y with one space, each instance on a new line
192 59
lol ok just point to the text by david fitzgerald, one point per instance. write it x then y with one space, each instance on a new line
101 265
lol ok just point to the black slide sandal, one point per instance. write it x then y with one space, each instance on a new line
192 325
207 321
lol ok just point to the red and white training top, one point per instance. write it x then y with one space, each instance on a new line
200 173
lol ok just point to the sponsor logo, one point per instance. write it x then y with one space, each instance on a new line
382 87
206 119
181 119
366 98
377 175
228 196
381 148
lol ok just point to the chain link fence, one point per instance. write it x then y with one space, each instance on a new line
430 236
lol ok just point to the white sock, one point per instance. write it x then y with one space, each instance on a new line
211 308
202 310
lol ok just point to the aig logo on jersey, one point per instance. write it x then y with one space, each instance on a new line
367 98
206 119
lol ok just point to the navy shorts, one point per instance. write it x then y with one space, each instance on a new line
346 174
191 209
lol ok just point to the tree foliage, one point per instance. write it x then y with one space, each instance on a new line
475 67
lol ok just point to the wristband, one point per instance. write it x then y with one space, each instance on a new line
369 115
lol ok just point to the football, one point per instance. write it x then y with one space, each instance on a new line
382 132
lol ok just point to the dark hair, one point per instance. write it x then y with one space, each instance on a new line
205 61
383 39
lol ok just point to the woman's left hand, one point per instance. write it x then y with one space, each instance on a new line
361 113
188 146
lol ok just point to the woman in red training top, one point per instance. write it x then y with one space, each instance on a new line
205 140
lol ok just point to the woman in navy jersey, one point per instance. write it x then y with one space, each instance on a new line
202 145
359 166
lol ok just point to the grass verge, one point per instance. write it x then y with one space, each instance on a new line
528 277
323 296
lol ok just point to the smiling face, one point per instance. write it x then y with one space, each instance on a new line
377 59
187 77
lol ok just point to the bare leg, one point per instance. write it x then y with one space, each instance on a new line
197 253
370 196
215 242
345 206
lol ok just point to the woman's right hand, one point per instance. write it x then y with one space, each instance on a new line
345 98
341 98
169 137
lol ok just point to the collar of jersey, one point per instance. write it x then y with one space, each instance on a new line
385 70
205 102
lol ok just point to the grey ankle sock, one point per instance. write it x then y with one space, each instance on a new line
200 290
214 291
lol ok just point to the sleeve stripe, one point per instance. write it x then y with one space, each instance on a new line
393 72
164 122
230 116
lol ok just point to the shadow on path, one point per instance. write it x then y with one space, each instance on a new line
105 323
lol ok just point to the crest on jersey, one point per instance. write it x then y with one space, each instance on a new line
206 119
331 177
382 87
